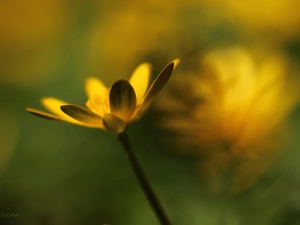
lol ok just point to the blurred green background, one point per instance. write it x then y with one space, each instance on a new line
58 173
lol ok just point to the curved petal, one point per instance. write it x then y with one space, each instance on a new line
159 84
122 100
44 115
113 124
53 105
53 117
83 115
140 80
95 87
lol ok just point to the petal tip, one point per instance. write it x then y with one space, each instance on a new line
176 63
44 99
148 66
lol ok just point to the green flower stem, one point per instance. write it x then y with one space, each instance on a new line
152 199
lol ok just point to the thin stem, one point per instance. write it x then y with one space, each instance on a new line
152 199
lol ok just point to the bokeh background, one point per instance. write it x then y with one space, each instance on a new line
220 145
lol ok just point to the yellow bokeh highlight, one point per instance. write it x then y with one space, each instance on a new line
277 19
29 41
129 33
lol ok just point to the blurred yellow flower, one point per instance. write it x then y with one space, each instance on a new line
111 109
234 108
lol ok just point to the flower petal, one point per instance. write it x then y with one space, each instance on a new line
95 87
97 93
43 114
113 124
159 83
176 63
53 105
83 115
140 80
54 117
122 100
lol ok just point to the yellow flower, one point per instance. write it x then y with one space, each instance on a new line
110 109
239 103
